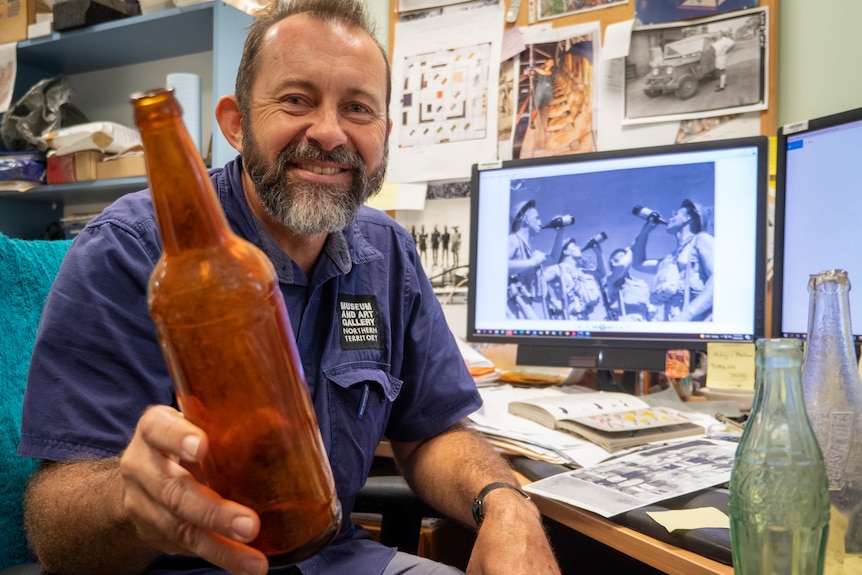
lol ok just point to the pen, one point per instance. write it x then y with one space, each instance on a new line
728 421
363 401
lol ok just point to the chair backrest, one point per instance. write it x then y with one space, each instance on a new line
27 270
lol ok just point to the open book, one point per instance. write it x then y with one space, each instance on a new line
611 420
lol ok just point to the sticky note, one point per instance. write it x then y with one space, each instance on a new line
697 518
730 365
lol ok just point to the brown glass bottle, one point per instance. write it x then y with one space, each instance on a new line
231 353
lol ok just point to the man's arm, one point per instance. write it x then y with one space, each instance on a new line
115 515
75 522
448 471
639 258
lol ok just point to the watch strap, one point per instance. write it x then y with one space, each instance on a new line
478 511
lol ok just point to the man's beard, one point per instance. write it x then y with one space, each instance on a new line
309 207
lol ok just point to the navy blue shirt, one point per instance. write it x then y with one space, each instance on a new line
97 363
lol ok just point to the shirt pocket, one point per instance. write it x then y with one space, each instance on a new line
361 396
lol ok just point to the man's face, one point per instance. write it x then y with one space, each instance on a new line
532 221
315 146
677 220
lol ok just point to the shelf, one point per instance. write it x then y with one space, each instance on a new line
132 40
94 191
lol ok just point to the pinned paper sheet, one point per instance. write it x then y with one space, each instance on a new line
698 518
399 197
8 73
731 365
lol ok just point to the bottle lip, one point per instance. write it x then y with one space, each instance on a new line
832 276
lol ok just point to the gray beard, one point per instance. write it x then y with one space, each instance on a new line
306 207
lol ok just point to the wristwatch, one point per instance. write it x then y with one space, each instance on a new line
478 512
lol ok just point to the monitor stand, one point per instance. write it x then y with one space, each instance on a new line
631 381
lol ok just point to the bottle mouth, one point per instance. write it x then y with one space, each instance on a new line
829 280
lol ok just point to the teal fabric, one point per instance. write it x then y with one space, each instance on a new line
27 269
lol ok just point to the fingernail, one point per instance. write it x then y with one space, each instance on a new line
191 445
253 567
242 526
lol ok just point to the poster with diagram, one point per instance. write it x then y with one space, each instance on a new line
443 105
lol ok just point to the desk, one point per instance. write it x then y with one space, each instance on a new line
643 548
662 556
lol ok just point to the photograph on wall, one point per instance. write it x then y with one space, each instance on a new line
444 107
660 11
554 100
547 9
698 68
635 252
441 233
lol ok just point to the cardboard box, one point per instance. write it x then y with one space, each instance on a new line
16 16
76 167
121 167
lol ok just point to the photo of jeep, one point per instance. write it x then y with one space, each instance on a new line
683 64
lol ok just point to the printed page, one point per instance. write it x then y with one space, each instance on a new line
642 478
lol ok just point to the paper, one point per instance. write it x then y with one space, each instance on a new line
731 365
8 73
399 197
617 40
105 137
444 109
187 89
699 518
641 478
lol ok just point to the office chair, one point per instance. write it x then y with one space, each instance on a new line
27 270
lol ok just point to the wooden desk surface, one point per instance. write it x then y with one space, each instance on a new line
663 556
667 558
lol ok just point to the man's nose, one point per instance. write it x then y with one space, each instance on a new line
326 129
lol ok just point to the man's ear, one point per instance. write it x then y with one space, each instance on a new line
230 120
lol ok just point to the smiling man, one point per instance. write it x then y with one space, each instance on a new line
115 494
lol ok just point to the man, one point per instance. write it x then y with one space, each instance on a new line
573 291
722 46
628 297
682 288
117 493
526 289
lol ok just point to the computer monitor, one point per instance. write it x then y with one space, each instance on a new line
818 199
705 205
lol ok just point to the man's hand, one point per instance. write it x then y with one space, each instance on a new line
511 540
173 511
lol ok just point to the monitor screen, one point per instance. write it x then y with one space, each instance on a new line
818 199
607 260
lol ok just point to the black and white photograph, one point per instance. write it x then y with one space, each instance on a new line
698 68
644 477
638 248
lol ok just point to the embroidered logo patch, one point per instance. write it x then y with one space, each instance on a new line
360 321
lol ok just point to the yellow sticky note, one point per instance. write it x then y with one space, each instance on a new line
393 196
697 518
730 365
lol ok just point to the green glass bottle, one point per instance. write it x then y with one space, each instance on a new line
779 500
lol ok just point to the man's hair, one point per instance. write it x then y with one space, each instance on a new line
351 13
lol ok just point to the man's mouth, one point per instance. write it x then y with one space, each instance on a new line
322 170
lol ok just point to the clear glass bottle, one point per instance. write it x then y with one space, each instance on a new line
230 350
779 503
832 390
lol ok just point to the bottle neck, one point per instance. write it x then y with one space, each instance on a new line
829 329
188 210
779 381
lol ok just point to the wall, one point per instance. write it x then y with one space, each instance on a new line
817 69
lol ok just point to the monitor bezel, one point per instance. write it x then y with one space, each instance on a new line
618 353
784 132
